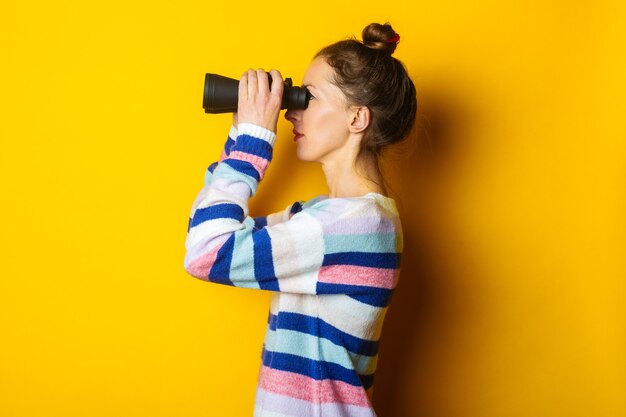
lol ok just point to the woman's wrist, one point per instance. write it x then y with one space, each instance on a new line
256 131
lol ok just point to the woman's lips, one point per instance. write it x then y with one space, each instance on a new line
297 135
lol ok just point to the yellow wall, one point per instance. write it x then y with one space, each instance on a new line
511 302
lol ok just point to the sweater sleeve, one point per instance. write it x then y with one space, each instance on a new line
310 251
208 175
230 142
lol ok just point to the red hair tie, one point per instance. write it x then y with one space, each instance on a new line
395 39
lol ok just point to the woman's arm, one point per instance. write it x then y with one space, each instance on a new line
221 207
333 247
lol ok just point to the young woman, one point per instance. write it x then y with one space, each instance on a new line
332 262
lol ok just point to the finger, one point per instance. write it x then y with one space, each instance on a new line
243 86
277 83
263 79
253 83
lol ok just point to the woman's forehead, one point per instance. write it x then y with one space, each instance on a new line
317 73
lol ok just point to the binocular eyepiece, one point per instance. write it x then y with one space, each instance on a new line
221 94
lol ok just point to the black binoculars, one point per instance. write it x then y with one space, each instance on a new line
221 94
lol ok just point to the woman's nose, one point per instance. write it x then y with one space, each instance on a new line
293 115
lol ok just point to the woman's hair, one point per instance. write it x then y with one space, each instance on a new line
369 76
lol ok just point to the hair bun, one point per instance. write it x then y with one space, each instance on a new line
380 37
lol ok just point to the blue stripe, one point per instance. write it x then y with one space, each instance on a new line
318 370
367 380
263 261
374 296
319 328
212 167
228 146
377 297
255 146
218 211
295 208
260 222
370 259
220 271
244 167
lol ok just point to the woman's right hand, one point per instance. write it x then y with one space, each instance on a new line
258 103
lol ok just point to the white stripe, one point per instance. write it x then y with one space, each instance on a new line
295 303
352 316
279 217
257 132
298 252
206 231
198 247
227 173
226 190
232 134
199 198
264 413
338 310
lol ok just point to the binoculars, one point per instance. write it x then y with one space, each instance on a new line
221 94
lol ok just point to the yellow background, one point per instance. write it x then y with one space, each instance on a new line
511 301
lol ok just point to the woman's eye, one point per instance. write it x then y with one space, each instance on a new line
311 96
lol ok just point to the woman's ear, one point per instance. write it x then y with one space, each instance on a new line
360 119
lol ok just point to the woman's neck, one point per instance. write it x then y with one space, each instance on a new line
346 180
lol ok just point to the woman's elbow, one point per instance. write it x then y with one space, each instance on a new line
207 256
197 267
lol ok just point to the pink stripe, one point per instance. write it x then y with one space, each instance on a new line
201 266
223 155
308 389
260 164
358 275
293 407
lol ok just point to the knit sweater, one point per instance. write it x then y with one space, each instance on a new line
331 264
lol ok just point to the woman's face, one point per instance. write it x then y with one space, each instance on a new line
322 129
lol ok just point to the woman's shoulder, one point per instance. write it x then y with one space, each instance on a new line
370 213
369 203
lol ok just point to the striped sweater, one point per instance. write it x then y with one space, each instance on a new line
332 265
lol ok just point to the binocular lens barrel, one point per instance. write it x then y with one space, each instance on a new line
221 94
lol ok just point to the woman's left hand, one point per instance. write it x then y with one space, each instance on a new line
258 104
